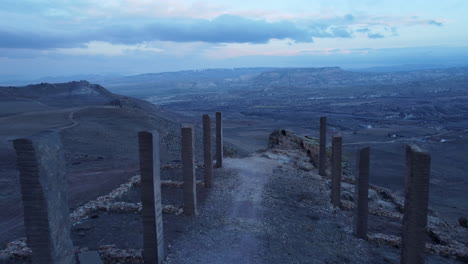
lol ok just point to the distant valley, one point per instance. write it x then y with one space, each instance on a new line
383 110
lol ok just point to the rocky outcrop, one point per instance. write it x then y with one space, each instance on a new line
302 152
283 138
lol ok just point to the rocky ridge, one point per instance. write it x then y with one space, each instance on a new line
446 239
295 156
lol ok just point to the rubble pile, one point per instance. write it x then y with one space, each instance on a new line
18 249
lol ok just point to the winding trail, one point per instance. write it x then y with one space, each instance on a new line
71 117
73 124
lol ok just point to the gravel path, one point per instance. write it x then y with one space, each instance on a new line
229 228
263 211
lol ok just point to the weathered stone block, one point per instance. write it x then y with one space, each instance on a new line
219 140
207 155
323 146
188 168
153 235
336 170
43 182
361 207
418 166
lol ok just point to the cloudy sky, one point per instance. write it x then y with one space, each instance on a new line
60 37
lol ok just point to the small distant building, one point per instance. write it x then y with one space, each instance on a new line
394 135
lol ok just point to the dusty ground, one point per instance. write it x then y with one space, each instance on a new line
100 147
125 230
449 159
269 212
231 223
269 207
261 211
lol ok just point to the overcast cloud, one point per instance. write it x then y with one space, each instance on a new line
122 32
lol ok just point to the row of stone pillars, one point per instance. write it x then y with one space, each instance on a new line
41 166
153 246
188 160
414 224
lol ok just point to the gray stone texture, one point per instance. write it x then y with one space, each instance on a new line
207 155
336 170
219 140
89 257
361 202
188 168
153 235
43 182
416 206
323 146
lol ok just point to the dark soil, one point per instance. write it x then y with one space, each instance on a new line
124 230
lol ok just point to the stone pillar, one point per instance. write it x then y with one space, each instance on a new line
336 171
361 193
43 182
219 140
323 146
188 167
416 206
208 157
153 235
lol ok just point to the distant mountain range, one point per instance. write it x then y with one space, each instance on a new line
265 79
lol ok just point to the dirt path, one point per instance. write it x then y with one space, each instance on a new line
73 124
233 215
71 117
263 210
246 207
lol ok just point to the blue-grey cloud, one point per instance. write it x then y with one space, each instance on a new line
375 35
33 40
340 32
363 30
223 29
435 23
349 17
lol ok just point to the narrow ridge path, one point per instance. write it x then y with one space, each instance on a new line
230 227
264 209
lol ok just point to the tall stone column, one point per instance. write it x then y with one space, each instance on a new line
416 206
336 170
153 235
208 157
361 192
219 140
43 182
188 167
323 146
